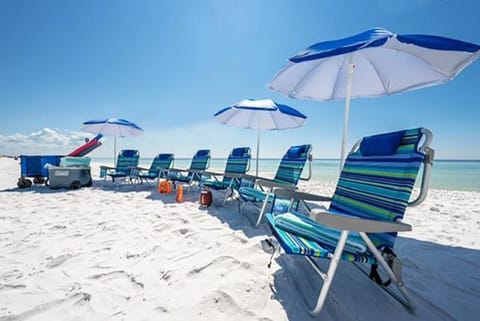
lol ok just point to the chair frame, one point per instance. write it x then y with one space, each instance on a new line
196 174
108 169
268 185
234 177
161 172
362 226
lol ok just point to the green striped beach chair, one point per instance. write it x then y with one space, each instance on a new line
193 175
127 160
238 163
288 174
158 169
365 211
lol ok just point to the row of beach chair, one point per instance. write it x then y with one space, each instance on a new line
250 189
363 218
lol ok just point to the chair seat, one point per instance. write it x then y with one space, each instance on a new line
251 194
117 174
216 185
295 243
181 178
147 175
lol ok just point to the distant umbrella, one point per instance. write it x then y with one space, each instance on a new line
112 127
260 114
376 62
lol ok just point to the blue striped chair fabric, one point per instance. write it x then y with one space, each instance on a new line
237 163
297 243
374 187
200 162
161 161
288 172
127 160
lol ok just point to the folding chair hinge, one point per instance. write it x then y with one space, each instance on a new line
269 245
395 265
429 155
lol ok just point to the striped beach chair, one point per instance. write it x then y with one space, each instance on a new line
259 193
238 163
365 212
158 169
127 160
193 175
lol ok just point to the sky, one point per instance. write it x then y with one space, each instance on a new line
168 66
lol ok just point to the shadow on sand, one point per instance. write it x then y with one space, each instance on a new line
428 268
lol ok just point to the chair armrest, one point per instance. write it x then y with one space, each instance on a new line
177 170
289 193
107 167
357 224
249 177
271 183
233 175
212 173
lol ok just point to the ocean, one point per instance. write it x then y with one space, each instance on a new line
460 175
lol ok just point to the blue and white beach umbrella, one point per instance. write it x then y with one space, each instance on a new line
261 114
112 127
376 62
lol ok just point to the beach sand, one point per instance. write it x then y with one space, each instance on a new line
125 252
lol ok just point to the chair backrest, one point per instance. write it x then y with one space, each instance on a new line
127 159
238 162
377 179
200 161
292 164
163 161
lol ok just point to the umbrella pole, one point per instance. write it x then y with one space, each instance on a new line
351 68
258 151
114 151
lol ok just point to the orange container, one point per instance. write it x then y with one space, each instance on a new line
179 197
164 187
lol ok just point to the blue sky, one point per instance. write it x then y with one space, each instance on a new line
169 66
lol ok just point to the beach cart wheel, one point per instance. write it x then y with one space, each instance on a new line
46 182
75 185
21 183
28 183
38 180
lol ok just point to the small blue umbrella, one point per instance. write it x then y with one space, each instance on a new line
260 114
112 127
376 62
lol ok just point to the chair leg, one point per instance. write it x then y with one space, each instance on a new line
241 205
228 193
396 279
330 274
264 208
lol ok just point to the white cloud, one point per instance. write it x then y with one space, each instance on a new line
183 141
45 141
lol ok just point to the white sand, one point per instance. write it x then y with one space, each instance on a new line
128 253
